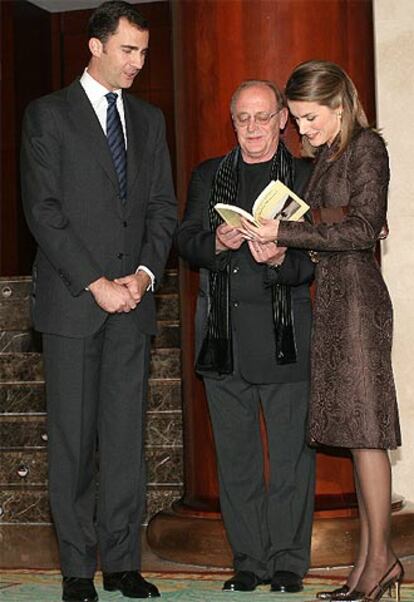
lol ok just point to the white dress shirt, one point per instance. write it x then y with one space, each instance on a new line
96 93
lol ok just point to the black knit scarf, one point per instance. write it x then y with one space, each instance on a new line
216 354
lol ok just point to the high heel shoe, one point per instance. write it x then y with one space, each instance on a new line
353 596
334 594
387 583
342 594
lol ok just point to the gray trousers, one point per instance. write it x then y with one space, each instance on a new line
269 528
96 396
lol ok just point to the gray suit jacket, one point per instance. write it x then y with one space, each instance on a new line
71 202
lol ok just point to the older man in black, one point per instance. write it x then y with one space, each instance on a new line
253 325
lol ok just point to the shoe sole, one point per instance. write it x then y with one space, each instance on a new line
235 589
286 590
118 589
78 599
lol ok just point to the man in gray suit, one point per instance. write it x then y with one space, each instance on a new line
99 200
253 324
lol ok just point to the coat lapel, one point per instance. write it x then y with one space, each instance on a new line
137 136
321 167
88 128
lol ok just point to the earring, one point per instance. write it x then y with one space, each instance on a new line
339 114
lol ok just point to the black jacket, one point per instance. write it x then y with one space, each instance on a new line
251 305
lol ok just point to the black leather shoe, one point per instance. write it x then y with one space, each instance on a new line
286 582
242 581
131 584
78 589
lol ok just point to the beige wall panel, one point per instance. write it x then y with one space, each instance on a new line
394 41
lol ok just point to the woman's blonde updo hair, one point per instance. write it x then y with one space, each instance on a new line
329 85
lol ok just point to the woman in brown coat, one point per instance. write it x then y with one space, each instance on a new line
353 402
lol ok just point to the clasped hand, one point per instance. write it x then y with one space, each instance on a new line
266 232
261 244
122 294
262 241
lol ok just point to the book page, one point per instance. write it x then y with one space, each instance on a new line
278 201
232 214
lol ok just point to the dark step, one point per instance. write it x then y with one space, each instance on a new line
24 367
19 506
160 498
164 466
165 363
164 395
17 341
12 341
21 367
163 429
26 341
19 287
29 398
167 307
19 432
169 283
168 335
25 468
15 302
22 398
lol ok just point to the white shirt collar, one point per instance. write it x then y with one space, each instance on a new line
94 90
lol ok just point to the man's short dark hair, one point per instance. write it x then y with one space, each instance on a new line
105 19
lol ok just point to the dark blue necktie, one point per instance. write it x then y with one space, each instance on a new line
115 136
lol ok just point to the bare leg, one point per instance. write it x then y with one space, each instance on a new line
373 473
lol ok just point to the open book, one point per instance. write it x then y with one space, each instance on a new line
275 201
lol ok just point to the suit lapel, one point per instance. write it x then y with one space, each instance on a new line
137 135
88 128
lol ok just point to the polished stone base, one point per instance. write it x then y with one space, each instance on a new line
198 541
36 548
23 548
192 539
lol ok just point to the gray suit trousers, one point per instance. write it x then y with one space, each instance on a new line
268 526
96 397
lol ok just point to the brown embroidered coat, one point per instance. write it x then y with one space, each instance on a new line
353 401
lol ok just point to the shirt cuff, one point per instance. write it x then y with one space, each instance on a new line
143 268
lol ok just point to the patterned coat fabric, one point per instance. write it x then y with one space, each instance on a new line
353 401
